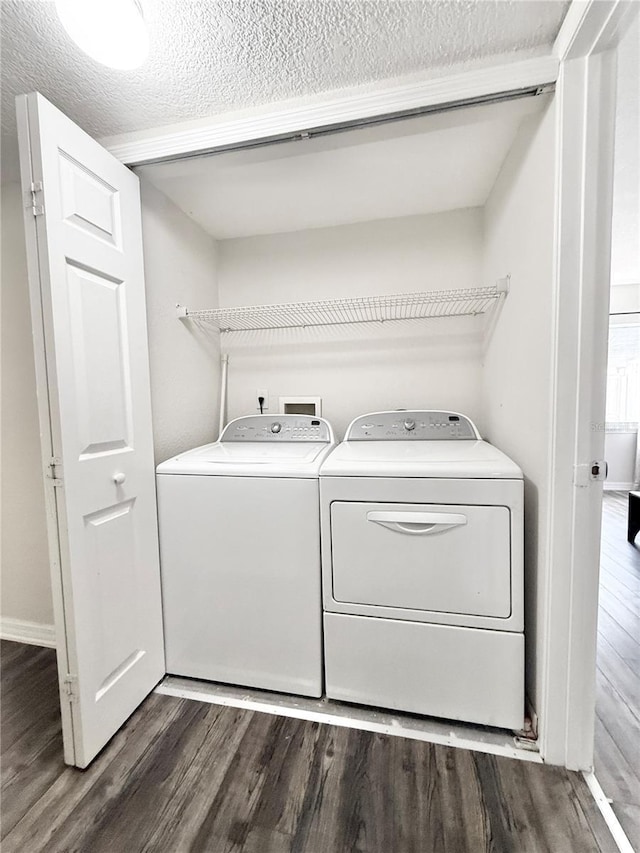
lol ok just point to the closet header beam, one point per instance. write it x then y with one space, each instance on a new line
334 110
339 312
357 124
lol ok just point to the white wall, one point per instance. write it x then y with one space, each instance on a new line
625 298
26 590
423 364
621 447
516 383
625 238
180 267
620 453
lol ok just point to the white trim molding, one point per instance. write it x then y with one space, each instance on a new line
585 136
585 140
330 108
592 25
32 633
604 804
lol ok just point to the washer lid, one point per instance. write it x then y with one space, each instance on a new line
250 459
446 459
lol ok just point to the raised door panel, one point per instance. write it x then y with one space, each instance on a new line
88 202
100 357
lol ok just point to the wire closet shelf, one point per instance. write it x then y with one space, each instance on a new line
365 309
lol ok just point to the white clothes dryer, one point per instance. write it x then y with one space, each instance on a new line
240 555
422 560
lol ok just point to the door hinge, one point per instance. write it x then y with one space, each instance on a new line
70 686
35 198
590 472
55 471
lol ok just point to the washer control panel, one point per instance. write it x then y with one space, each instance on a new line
278 428
412 426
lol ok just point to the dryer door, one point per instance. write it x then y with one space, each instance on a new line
429 557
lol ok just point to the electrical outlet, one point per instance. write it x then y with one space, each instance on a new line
265 395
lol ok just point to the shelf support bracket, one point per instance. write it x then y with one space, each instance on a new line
502 287
503 284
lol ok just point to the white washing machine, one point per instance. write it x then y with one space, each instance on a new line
240 555
422 561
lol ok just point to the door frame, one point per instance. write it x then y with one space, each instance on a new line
586 92
582 65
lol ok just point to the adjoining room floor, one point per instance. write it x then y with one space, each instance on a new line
617 755
190 776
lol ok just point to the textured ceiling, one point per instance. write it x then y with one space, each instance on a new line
211 56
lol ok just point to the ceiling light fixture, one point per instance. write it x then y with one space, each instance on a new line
112 32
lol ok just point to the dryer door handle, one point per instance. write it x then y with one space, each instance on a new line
417 523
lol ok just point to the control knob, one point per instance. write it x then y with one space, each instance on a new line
276 427
409 424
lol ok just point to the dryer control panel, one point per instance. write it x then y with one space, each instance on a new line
278 428
402 425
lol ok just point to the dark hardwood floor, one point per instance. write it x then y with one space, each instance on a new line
617 756
187 776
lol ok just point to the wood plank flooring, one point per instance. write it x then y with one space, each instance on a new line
617 746
190 777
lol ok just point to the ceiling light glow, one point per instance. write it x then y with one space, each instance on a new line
112 32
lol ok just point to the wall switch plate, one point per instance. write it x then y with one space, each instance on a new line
265 394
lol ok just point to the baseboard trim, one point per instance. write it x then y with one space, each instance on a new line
32 633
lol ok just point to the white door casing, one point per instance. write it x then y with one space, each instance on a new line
587 106
586 47
84 248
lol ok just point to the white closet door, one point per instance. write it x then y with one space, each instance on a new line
84 248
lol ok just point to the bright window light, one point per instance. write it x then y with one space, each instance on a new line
623 372
112 32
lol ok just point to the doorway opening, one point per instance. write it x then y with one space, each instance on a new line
617 723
